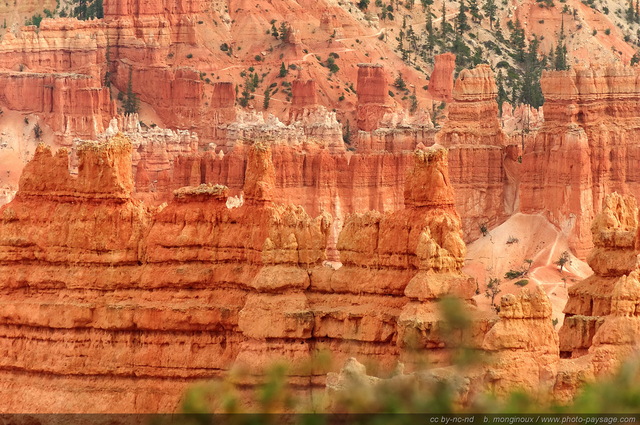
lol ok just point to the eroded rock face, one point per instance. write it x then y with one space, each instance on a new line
312 126
588 141
304 94
478 154
57 72
473 116
139 8
244 284
615 255
72 105
521 119
373 96
75 242
441 81
415 254
314 178
153 157
518 352
523 345
618 338
110 271
601 329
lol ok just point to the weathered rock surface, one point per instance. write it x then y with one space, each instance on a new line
416 252
244 285
441 81
588 143
486 192
373 96
523 345
615 255
109 270
601 328
137 8
56 72
521 119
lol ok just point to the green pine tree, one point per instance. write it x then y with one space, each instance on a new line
107 74
414 102
246 92
283 71
502 92
284 31
346 135
490 10
88 9
131 103
443 25
560 63
474 10
631 12
461 19
431 37
425 4
533 66
518 41
363 4
267 98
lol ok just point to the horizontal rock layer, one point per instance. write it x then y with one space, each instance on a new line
100 293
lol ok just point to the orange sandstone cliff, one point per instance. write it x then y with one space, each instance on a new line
614 255
441 80
486 193
588 143
601 328
373 97
182 293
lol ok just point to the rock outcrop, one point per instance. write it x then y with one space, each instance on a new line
192 288
439 249
192 274
141 8
399 132
486 193
57 73
614 257
601 329
72 105
153 157
473 116
521 119
441 80
315 126
523 345
304 96
373 96
617 340
588 143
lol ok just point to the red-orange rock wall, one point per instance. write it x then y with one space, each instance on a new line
315 180
486 192
373 96
588 143
72 105
348 183
120 304
57 46
114 9
441 80
57 72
